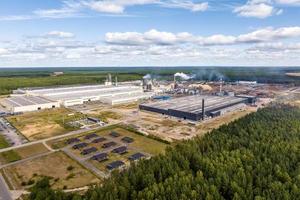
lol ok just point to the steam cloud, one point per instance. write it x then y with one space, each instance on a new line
147 76
184 76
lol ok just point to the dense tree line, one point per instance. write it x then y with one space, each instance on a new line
256 157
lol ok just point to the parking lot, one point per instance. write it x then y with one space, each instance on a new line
11 135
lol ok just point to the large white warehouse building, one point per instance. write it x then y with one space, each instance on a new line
28 103
72 95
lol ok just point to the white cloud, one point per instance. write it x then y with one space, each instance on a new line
60 34
258 9
289 2
269 34
218 40
80 8
114 6
156 47
183 4
277 46
150 37
3 51
15 18
155 37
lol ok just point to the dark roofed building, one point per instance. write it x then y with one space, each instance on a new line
120 150
100 157
72 140
114 134
108 144
90 136
127 139
89 150
115 165
80 145
98 140
93 119
136 156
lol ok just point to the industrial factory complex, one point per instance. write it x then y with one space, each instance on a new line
32 99
36 99
197 107
189 103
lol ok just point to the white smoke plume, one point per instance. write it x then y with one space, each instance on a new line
147 76
183 76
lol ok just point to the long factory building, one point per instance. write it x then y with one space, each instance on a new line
31 99
196 107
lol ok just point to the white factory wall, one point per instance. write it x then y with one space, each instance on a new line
121 99
107 98
70 96
72 102
35 107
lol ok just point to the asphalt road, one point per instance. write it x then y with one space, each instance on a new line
4 191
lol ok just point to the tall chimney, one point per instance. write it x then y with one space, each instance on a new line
221 83
203 109
109 78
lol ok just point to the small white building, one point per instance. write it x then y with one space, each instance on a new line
25 103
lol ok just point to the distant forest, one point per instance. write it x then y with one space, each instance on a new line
256 157
13 78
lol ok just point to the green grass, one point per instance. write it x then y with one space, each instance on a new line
148 144
142 142
10 156
3 143
105 115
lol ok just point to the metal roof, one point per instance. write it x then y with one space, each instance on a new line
120 150
136 156
193 104
115 164
19 101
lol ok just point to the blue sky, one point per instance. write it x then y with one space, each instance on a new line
37 33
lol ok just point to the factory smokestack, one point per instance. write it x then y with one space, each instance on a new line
203 109
221 84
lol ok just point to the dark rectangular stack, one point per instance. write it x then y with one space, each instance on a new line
80 145
90 136
127 139
89 150
120 150
136 156
98 140
115 165
114 134
108 144
100 157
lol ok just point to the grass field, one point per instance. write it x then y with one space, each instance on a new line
141 142
3 142
9 156
32 150
63 171
22 153
44 124
106 115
